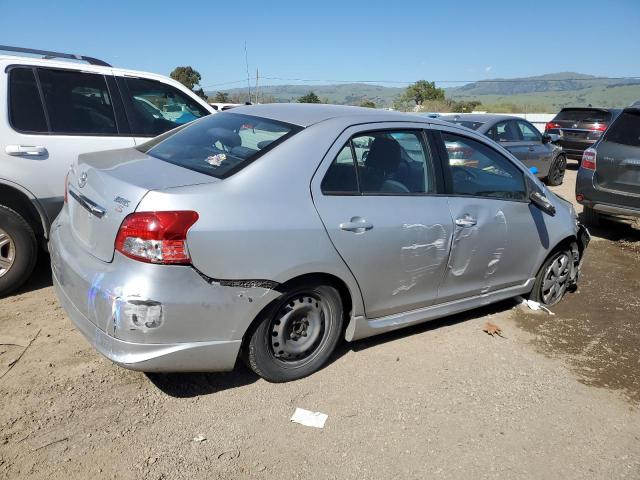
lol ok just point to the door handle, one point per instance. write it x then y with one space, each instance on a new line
25 150
356 225
531 149
466 221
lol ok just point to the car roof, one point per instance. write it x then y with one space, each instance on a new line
478 117
306 114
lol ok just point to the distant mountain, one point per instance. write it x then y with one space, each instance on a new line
541 93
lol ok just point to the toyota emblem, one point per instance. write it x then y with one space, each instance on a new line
82 181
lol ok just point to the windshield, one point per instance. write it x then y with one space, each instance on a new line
220 145
625 130
583 115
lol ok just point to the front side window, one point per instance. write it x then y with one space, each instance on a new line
504 132
384 162
528 132
221 144
625 130
77 102
478 170
25 108
154 107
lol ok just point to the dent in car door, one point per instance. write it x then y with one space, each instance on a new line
495 241
396 243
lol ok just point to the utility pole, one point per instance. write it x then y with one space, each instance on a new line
257 97
246 61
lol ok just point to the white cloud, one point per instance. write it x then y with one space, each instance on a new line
488 69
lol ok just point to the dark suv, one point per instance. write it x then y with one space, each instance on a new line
579 128
609 176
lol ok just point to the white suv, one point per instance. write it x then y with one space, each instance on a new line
54 111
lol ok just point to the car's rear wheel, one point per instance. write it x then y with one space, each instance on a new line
556 172
296 335
18 250
554 278
590 216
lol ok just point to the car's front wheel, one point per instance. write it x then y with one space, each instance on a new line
297 334
556 172
18 250
553 279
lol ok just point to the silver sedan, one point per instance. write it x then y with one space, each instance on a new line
273 231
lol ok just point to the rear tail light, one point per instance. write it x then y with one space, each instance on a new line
589 159
156 237
551 125
599 127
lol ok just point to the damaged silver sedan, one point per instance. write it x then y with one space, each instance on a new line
272 232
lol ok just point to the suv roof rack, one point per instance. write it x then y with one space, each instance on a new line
46 54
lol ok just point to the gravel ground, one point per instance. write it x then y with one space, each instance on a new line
443 400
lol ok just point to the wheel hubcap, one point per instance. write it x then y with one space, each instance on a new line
7 252
556 279
298 328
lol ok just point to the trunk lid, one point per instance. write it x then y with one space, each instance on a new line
108 186
618 155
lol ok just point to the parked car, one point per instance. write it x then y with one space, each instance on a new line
579 128
608 180
54 110
522 139
275 230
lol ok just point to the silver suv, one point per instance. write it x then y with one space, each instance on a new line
56 109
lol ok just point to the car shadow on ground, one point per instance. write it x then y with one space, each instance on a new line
615 229
188 385
40 278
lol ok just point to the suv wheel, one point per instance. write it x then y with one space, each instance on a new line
553 279
18 250
296 336
556 172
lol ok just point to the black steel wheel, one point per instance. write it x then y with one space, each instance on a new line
297 334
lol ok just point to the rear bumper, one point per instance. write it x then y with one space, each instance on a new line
202 324
603 201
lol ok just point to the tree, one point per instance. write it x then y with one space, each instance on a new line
189 78
310 97
421 91
368 104
464 106
221 97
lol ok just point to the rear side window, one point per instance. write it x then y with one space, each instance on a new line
77 102
528 132
625 130
154 107
480 171
221 144
506 131
583 115
25 107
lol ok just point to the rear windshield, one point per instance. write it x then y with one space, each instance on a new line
625 130
219 145
466 123
583 115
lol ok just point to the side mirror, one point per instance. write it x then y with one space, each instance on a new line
542 203
550 137
546 138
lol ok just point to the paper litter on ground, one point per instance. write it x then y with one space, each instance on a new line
309 419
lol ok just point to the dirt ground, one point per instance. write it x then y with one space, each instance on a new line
557 397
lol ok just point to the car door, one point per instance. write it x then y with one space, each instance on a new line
55 115
496 238
154 107
378 195
539 154
506 133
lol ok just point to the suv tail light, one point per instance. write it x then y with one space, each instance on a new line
156 237
551 125
599 127
589 159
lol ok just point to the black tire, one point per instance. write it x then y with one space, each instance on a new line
24 250
591 217
553 268
296 335
556 172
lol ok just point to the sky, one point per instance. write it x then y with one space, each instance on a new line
388 42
